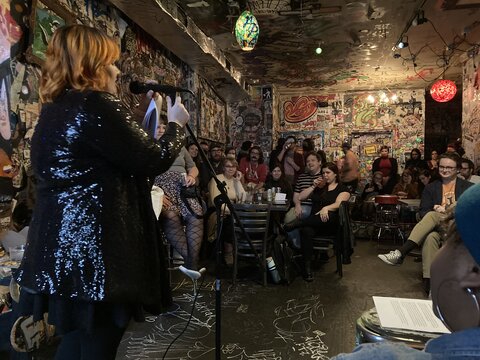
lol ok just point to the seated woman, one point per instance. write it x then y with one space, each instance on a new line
406 188
276 179
424 178
375 187
177 210
455 294
232 178
323 218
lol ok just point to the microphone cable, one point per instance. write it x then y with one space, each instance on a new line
188 321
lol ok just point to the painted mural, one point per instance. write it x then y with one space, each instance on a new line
336 117
471 108
252 120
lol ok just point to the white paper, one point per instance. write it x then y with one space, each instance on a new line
157 200
280 197
408 314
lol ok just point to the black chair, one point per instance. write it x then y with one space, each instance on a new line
255 219
342 242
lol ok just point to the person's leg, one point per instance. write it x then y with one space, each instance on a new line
307 234
173 228
416 238
430 248
194 233
70 347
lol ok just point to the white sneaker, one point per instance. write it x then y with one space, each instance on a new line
392 258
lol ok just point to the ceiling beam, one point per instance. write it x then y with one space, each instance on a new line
168 24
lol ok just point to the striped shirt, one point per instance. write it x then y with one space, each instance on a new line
304 181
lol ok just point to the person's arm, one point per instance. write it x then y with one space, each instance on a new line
192 170
348 162
323 213
376 165
427 201
111 132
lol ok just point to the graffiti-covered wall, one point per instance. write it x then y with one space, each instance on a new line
471 109
24 35
367 120
253 120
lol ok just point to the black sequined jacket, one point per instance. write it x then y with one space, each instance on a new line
93 233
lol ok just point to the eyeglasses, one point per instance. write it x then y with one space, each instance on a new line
465 168
447 168
254 153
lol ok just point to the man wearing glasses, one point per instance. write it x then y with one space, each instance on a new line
437 197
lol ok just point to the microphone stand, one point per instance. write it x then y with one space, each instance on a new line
222 199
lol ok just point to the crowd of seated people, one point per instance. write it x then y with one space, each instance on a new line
435 182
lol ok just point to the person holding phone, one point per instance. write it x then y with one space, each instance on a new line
291 160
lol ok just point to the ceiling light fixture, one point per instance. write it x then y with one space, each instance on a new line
318 50
443 90
247 31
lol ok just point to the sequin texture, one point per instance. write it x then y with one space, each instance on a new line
93 232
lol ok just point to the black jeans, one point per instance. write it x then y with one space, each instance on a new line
312 226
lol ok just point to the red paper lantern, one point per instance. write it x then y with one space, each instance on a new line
443 90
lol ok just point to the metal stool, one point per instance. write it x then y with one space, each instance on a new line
369 330
387 209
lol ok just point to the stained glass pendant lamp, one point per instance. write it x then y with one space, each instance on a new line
443 90
246 31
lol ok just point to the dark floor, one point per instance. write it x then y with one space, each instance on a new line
301 321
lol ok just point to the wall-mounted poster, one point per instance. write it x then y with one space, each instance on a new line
46 17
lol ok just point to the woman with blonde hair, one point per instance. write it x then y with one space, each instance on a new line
92 259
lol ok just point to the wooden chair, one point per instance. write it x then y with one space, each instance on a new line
342 242
255 219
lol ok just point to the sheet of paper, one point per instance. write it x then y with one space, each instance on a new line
408 314
280 197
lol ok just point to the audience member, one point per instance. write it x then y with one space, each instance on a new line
232 178
205 147
272 160
181 216
389 168
436 199
433 162
302 204
323 218
244 149
350 170
276 179
375 187
415 163
424 178
230 151
253 169
406 188
291 160
466 171
455 294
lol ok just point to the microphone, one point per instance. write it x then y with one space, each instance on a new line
142 88
192 274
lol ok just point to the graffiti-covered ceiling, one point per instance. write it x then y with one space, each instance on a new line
358 40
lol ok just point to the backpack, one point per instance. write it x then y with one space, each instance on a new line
284 260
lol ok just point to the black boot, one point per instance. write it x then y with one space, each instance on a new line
307 271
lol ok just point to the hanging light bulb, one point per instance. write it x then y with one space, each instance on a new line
318 50
247 31
443 90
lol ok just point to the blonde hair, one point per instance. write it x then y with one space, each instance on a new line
77 57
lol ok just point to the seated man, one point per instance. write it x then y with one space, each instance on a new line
436 198
254 170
